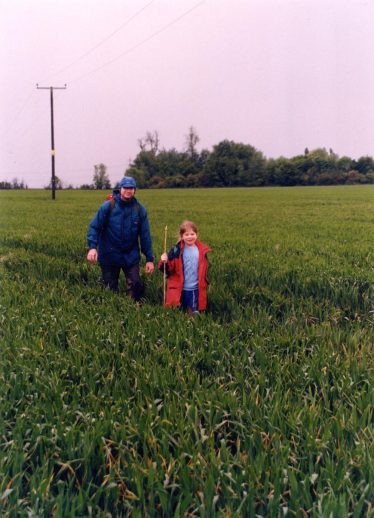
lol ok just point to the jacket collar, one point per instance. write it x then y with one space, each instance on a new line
125 203
200 245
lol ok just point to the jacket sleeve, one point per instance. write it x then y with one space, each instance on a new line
145 237
97 224
170 265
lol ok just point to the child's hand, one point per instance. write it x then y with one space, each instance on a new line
164 258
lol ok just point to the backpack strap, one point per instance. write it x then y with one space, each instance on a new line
107 215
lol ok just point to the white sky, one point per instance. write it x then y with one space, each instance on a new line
280 75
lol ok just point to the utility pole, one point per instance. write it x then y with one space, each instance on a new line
53 178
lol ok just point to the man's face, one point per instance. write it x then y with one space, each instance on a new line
127 193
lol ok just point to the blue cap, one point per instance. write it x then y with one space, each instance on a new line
128 181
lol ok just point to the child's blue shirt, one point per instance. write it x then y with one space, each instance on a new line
190 267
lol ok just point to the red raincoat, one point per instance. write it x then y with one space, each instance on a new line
174 271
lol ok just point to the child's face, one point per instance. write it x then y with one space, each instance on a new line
189 237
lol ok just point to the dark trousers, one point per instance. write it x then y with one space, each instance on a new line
190 300
110 276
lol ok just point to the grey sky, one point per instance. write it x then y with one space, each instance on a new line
280 75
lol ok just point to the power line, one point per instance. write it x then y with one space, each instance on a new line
18 113
85 54
88 52
127 51
164 28
30 126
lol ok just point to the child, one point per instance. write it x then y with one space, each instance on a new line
186 268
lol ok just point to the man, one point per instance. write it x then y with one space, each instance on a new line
113 239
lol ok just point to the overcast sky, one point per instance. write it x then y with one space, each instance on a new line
280 75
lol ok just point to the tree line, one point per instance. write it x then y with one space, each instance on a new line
232 164
14 184
229 164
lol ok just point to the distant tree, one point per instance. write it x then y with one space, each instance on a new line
87 186
174 163
139 175
345 164
237 164
276 170
175 181
365 165
369 178
289 172
318 166
355 176
157 182
100 178
58 184
18 184
298 172
150 170
150 142
325 166
233 164
143 168
333 154
192 139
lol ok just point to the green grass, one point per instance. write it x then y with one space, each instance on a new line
261 407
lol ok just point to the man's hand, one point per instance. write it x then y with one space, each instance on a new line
149 267
92 255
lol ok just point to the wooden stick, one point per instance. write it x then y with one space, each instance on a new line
165 238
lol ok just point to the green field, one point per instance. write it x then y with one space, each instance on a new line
261 407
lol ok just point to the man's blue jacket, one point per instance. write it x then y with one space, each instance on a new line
116 232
